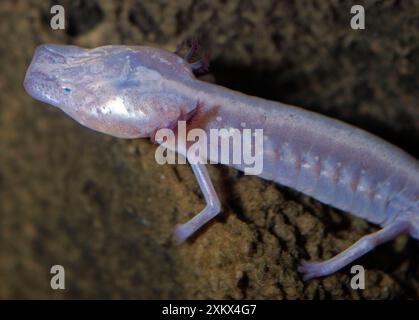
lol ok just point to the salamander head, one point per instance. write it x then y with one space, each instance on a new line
117 90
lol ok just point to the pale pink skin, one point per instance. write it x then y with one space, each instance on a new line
130 92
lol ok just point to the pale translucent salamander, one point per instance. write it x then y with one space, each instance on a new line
132 91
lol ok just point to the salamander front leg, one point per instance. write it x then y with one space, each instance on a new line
184 231
318 269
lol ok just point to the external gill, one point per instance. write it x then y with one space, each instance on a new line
199 66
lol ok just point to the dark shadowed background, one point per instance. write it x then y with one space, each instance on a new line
104 209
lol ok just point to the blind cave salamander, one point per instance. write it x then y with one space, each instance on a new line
132 91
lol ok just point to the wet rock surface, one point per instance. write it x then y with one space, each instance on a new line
105 210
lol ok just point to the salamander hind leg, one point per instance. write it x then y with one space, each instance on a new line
311 270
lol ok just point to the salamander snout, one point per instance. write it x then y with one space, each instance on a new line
43 80
39 82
